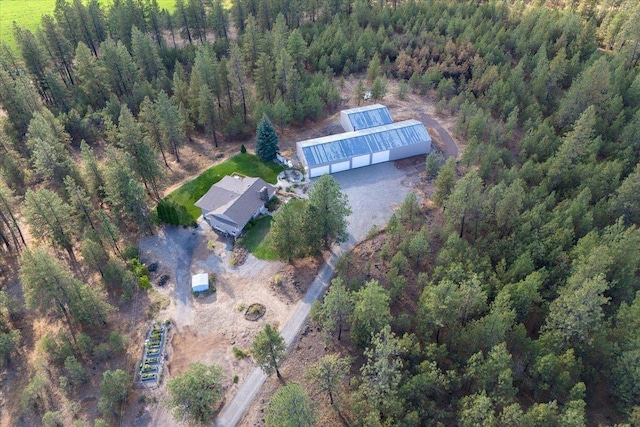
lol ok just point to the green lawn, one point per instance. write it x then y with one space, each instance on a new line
245 164
27 13
257 240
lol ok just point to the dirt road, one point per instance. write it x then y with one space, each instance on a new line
235 410
450 146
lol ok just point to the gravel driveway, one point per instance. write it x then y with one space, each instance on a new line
173 248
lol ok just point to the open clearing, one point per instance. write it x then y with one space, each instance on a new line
244 163
206 328
28 13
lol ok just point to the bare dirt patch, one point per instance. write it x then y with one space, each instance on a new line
208 327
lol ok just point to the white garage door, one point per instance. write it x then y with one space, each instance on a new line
380 157
360 161
339 167
321 170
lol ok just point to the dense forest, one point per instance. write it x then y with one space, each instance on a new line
528 310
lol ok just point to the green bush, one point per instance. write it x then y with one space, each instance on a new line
172 213
243 149
239 353
130 252
235 379
144 283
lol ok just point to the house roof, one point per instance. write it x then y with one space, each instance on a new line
235 197
368 116
342 146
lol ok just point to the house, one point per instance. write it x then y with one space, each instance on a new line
364 147
233 201
200 282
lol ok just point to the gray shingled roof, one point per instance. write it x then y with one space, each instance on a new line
235 197
333 148
368 116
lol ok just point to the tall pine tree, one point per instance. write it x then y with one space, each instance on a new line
266 140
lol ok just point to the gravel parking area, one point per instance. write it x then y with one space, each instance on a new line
374 192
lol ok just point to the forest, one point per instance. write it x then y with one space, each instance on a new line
527 303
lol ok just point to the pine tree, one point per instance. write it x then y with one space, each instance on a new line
266 140
268 349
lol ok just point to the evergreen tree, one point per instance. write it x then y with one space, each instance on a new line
290 406
50 218
329 374
268 349
266 140
196 394
336 308
326 217
287 234
371 313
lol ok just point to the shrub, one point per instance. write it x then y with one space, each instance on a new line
172 213
130 252
243 149
373 231
235 379
144 283
241 306
85 344
239 353
102 352
116 342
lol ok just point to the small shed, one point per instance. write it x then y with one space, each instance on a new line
200 282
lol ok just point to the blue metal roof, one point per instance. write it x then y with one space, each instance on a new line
369 116
342 146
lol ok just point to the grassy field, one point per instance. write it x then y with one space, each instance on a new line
257 240
27 14
245 164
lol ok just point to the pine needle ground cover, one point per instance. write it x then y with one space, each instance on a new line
244 163
28 13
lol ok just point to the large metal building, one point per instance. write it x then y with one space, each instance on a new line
365 117
350 150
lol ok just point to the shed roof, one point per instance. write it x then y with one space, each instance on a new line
236 197
332 148
200 281
368 116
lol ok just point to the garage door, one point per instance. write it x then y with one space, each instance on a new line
380 157
339 167
360 161
321 170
